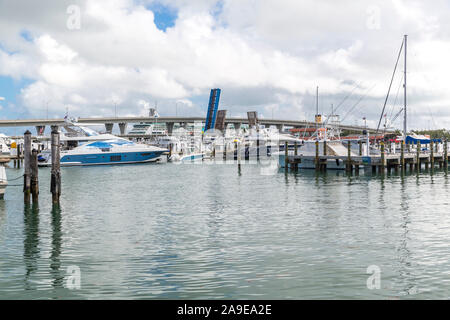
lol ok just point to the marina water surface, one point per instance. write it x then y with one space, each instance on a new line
167 231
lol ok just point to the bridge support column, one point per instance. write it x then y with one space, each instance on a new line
169 126
109 127
40 130
184 125
123 127
280 127
237 126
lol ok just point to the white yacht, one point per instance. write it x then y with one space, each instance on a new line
83 146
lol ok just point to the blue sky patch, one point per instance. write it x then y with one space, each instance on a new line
26 35
165 16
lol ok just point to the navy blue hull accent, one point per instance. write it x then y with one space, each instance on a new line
110 158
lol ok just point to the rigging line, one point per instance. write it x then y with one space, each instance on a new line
395 101
356 104
390 85
340 104
351 92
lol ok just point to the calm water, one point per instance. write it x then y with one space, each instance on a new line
170 231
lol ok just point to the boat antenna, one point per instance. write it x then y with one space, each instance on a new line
390 85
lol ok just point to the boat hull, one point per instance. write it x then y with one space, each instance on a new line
106 158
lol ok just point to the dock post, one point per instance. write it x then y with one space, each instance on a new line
224 151
418 164
402 157
296 154
286 155
409 147
55 185
27 174
19 155
360 148
445 154
432 154
34 176
383 160
316 162
239 157
257 147
349 157
323 166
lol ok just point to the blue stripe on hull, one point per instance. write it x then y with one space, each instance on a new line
110 158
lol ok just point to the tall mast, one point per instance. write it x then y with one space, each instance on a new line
404 86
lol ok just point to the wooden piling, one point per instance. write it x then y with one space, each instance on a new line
296 154
224 151
19 155
445 154
360 148
383 158
55 185
316 162
239 157
257 147
349 158
432 154
286 157
34 176
418 157
27 174
402 157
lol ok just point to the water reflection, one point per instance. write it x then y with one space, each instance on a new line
31 242
404 252
55 261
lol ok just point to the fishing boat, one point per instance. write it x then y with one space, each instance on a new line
83 146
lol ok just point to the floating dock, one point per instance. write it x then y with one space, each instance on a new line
380 163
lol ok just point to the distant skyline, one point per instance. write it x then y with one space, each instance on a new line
266 56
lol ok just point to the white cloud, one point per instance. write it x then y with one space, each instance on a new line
265 55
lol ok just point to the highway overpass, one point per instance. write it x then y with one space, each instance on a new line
169 121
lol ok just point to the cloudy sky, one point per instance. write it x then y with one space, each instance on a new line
89 56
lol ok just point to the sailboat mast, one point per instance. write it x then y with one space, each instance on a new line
404 86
